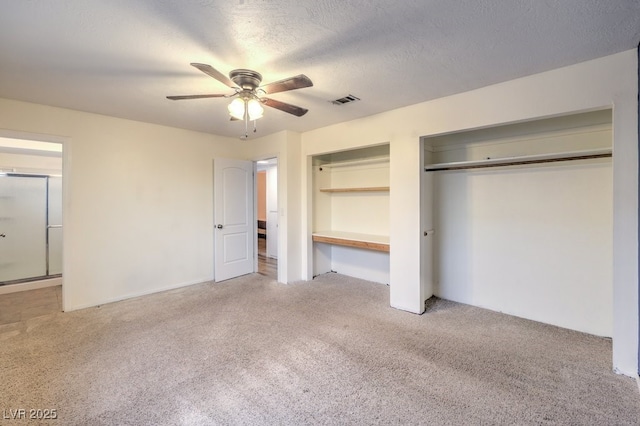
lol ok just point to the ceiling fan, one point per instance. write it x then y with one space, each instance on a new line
248 99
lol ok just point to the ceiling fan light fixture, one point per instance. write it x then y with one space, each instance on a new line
236 108
247 103
255 109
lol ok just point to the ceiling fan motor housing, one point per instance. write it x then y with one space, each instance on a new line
246 79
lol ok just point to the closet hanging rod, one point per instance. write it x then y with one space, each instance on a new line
26 174
516 161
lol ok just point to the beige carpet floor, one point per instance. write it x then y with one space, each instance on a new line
251 351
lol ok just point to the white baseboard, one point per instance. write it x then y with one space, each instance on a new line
638 382
407 308
136 294
33 285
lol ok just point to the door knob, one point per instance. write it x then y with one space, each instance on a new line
219 226
2 235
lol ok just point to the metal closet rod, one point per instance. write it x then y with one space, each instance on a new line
515 161
25 174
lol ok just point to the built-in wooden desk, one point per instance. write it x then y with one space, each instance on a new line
352 239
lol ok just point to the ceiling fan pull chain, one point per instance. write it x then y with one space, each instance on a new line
246 121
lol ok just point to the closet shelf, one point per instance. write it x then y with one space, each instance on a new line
527 159
359 162
357 189
352 239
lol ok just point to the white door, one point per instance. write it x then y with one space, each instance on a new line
233 218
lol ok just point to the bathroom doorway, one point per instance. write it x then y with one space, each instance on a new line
30 214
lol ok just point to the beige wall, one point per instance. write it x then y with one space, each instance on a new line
261 193
138 201
22 163
285 146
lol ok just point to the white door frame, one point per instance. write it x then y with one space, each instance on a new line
272 210
280 260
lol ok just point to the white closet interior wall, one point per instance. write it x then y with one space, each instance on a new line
533 241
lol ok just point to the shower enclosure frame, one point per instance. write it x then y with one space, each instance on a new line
48 227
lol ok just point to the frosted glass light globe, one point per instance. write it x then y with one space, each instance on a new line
236 108
255 109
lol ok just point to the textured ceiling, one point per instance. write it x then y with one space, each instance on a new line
122 57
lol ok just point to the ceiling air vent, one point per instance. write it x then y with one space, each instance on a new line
347 99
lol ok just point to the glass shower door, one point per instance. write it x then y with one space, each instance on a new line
23 227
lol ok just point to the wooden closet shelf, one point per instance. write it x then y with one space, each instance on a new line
360 189
352 239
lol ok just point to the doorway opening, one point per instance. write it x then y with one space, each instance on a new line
30 228
30 214
267 217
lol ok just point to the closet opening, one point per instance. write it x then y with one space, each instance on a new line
523 219
350 213
267 217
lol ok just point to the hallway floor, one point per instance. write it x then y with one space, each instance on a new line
23 305
267 266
